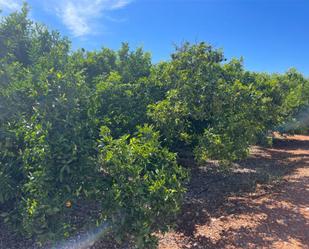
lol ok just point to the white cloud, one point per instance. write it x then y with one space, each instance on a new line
79 16
120 4
10 5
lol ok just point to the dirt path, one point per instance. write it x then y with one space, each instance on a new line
248 207
268 217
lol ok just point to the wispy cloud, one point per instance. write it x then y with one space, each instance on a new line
10 5
79 16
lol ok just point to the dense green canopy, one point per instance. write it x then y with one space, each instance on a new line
106 126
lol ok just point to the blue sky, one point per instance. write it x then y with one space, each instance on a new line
271 35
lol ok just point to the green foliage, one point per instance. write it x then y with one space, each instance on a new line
208 107
121 106
14 37
67 119
218 108
145 189
53 104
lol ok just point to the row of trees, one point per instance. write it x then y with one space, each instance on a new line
106 127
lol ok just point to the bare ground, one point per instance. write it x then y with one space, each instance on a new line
243 211
262 203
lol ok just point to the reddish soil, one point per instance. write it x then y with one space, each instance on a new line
271 216
263 202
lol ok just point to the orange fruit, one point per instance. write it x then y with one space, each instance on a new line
68 204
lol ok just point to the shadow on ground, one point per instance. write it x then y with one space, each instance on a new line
254 182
